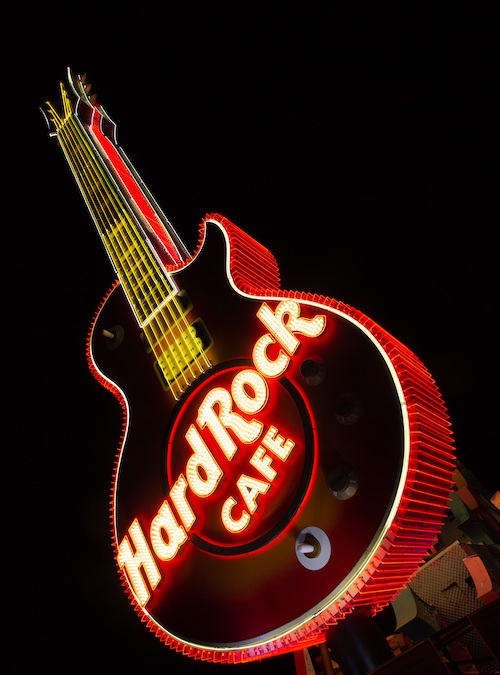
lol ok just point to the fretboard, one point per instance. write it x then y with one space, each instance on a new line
159 307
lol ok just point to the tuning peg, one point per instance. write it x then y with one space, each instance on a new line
85 85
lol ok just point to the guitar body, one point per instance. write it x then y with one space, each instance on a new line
284 460
339 400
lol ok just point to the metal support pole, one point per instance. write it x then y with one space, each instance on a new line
325 658
357 643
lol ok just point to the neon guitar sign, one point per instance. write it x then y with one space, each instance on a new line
284 459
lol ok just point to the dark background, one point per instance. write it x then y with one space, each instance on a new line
358 146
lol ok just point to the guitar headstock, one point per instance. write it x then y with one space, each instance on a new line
82 88
83 104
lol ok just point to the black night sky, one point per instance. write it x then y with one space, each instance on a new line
358 146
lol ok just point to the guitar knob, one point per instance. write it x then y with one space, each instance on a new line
348 408
313 371
343 482
313 548
113 337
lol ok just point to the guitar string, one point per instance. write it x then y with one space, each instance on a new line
100 203
141 276
171 246
122 249
180 309
185 339
185 336
98 207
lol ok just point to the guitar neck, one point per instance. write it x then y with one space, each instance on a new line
138 238
140 241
